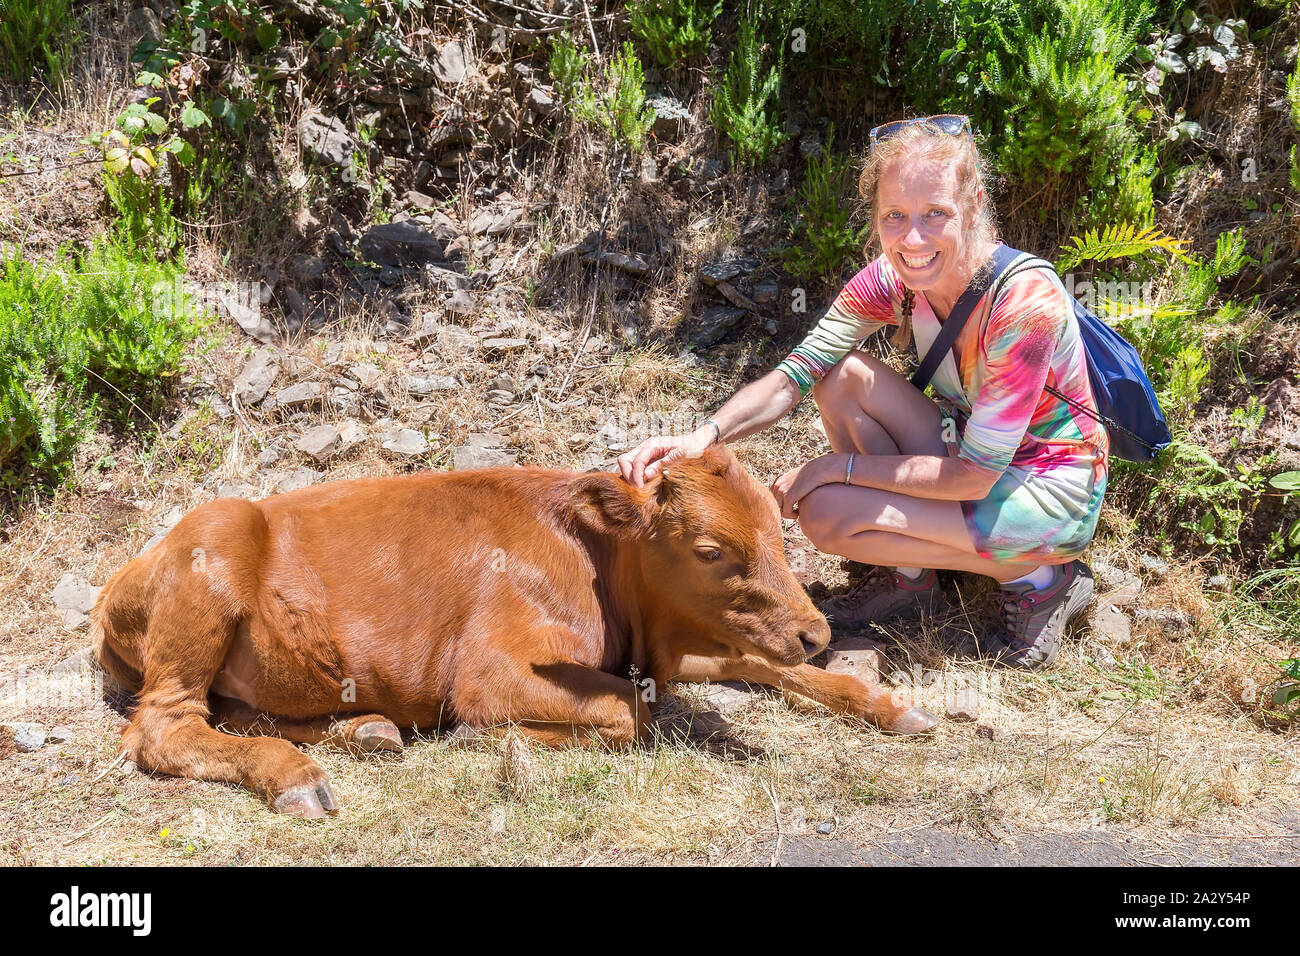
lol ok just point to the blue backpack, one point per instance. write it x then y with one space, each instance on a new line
1126 402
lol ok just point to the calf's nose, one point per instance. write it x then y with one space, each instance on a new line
814 637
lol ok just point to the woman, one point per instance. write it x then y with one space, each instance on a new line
996 476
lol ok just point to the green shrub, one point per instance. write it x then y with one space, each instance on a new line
828 236
36 36
98 334
741 103
1069 142
614 102
674 30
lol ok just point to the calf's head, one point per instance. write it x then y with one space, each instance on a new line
709 540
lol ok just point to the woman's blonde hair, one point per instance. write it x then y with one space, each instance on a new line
925 141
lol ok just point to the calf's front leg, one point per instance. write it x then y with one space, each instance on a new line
842 693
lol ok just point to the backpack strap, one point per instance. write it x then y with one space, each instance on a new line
1003 257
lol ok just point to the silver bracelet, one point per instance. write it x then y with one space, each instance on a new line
848 472
716 430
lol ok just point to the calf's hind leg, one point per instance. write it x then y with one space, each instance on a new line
190 631
360 733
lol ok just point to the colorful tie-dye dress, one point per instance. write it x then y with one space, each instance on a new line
1052 459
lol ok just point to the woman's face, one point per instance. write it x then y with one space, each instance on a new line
921 224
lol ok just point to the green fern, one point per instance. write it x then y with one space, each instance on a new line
1118 241
740 106
673 30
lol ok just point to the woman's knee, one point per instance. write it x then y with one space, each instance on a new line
850 376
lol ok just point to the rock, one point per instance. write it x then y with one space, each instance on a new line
810 145
672 118
298 478
766 292
26 736
60 735
452 339
449 64
307 270
400 244
326 139
257 375
986 731
629 262
366 374
1154 564
1170 618
858 656
294 396
1219 582
483 451
727 269
319 442
406 442
963 704
826 829
248 317
736 297
494 222
142 24
499 343
715 323
460 302
268 457
1115 585
420 385
726 697
351 434
441 277
235 489
1108 625
541 102
74 593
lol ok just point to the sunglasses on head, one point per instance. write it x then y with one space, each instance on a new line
951 123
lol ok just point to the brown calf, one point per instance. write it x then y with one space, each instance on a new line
518 596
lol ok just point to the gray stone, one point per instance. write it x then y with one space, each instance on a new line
26 736
142 24
296 395
74 593
351 434
1116 585
460 302
765 292
420 385
366 373
441 277
727 697
1171 619
499 343
629 262
963 704
826 829
406 442
541 102
483 451
715 323
61 734
1154 564
292 481
257 375
400 244
736 297
326 139
671 117
858 656
727 269
307 270
235 489
319 442
494 222
248 316
449 65
1108 625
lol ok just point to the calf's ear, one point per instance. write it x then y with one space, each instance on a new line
609 505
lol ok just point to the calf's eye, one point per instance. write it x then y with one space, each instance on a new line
708 554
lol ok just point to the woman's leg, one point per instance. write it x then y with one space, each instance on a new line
868 407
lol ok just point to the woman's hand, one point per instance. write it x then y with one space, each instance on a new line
794 485
653 455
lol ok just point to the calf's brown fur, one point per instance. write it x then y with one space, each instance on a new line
519 596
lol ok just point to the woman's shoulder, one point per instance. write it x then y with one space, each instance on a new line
1032 295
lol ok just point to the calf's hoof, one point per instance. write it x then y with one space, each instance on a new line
377 735
914 720
308 800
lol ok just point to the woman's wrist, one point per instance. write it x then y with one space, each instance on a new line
711 431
